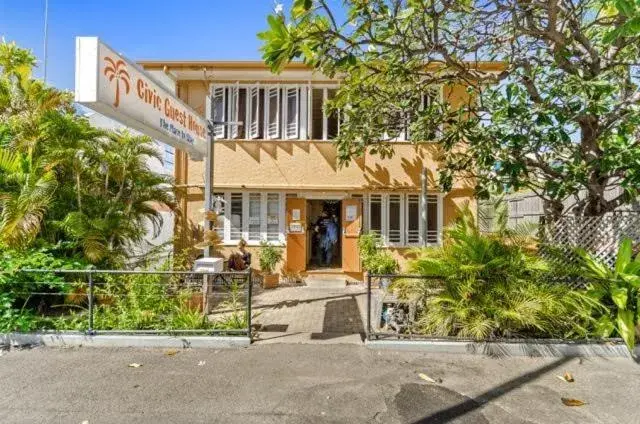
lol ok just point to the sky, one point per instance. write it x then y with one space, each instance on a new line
140 29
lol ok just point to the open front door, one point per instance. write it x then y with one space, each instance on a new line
351 228
296 235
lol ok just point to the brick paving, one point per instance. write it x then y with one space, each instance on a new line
310 310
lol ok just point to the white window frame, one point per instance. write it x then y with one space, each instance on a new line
244 231
404 218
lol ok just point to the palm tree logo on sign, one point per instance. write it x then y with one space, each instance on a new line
117 71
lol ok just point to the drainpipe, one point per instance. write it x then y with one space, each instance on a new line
423 206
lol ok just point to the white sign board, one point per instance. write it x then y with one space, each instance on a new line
351 213
110 84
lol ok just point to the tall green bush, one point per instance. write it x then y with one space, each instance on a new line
619 289
485 287
375 259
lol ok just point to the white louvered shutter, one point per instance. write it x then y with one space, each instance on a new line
292 112
272 112
234 98
218 107
254 111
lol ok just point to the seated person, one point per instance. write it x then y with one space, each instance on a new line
240 261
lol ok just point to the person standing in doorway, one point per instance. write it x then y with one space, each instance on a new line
330 239
319 231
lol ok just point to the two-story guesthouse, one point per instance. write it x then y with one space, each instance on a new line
277 173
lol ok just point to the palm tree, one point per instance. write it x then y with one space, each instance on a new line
26 190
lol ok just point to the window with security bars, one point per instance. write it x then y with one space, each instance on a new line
412 235
273 217
433 232
235 216
397 218
394 221
255 215
375 213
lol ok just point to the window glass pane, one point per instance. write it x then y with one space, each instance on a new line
332 119
375 213
273 217
394 218
413 218
316 114
242 111
235 217
254 216
432 218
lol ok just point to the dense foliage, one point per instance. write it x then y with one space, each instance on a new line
487 287
558 117
86 192
375 259
619 290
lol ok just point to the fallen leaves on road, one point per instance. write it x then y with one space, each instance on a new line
425 377
572 402
171 352
566 377
135 365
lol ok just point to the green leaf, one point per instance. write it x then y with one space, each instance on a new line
604 326
620 295
625 6
624 255
626 328
300 7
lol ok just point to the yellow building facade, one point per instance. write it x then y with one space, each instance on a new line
277 173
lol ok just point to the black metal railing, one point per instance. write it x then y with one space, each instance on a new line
94 301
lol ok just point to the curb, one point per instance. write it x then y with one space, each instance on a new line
23 340
500 349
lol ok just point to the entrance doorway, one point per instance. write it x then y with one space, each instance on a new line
324 241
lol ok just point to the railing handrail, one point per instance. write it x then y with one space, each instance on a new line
405 276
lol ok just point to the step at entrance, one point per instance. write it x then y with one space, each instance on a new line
325 281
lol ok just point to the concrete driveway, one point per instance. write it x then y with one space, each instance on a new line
308 383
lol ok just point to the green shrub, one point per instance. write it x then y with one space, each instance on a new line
619 289
269 258
487 287
375 259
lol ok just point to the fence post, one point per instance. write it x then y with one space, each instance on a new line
368 330
205 293
91 331
249 295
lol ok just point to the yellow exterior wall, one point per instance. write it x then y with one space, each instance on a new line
308 166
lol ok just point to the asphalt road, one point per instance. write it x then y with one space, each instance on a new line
298 383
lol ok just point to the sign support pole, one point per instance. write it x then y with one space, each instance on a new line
208 175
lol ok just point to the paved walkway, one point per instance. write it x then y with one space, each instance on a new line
309 313
298 383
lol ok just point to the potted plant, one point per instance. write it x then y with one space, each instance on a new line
375 259
270 256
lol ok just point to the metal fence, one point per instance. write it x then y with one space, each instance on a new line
125 301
